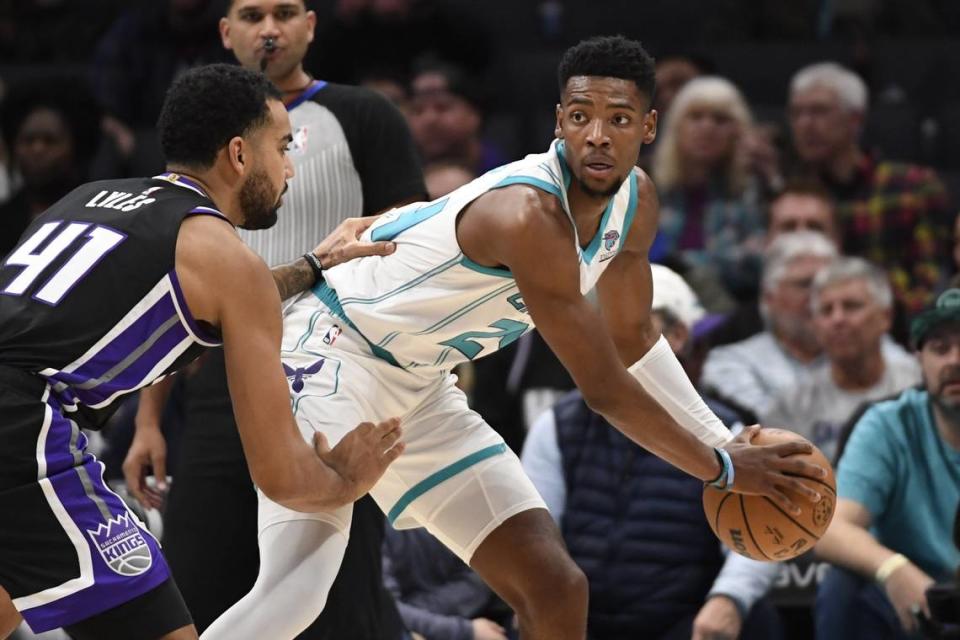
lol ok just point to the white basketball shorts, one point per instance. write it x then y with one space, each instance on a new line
456 477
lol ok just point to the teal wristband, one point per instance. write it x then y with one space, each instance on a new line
725 479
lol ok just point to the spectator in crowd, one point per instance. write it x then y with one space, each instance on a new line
898 486
895 215
710 213
803 205
353 155
446 118
54 131
673 73
852 311
753 371
443 177
439 596
635 525
800 206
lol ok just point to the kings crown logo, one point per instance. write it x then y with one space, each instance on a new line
122 546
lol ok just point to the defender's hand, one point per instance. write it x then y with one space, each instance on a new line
148 449
362 456
769 470
907 589
344 244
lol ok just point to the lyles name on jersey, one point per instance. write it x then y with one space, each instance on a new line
121 200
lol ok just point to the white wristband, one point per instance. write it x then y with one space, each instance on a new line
660 374
888 566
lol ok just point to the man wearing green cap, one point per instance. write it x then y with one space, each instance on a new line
898 480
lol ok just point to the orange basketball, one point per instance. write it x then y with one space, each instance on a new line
757 527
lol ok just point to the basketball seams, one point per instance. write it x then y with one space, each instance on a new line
746 524
790 518
716 525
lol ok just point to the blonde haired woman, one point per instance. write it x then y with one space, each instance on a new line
710 216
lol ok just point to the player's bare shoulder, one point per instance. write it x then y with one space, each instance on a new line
503 222
212 263
647 198
515 208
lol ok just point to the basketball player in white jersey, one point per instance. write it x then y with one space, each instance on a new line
472 272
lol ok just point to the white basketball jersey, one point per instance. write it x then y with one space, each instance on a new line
427 306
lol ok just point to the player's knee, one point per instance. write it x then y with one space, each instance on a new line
560 586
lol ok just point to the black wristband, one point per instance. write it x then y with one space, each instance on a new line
315 265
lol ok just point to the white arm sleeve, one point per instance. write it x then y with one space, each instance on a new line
660 374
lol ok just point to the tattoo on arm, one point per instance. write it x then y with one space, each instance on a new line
293 278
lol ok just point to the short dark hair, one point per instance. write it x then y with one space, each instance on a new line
609 57
806 186
206 107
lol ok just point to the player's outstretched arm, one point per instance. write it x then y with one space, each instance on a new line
537 245
625 292
227 285
341 245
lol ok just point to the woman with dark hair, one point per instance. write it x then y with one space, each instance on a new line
52 129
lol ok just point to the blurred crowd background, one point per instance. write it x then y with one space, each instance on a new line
808 166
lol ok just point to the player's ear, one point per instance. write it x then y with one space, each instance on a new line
234 151
650 126
558 130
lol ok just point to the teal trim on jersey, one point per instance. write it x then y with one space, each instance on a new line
543 185
500 272
407 219
443 356
564 169
310 325
631 210
421 278
553 174
436 478
594 245
387 338
467 309
328 296
382 353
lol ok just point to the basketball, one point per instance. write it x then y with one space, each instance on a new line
759 528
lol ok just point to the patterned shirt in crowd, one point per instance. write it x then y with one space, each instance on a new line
897 216
708 227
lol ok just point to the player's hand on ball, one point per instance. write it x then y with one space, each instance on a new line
148 449
362 456
344 244
771 470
